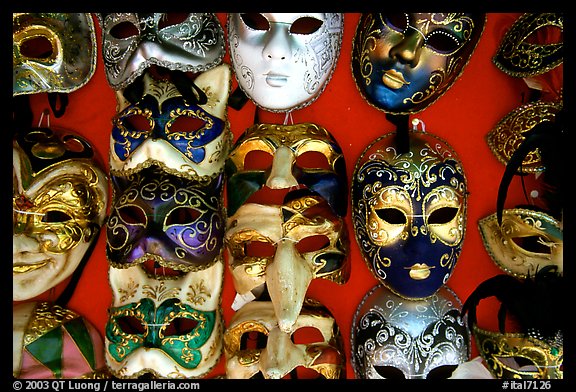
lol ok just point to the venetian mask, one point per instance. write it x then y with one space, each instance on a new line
409 212
59 201
396 338
403 62
283 61
170 328
256 347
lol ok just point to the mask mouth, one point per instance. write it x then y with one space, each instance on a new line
394 79
25 268
276 80
419 271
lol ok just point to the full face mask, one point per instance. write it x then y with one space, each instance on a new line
256 347
169 328
50 341
52 52
409 212
403 62
283 61
133 42
285 247
59 201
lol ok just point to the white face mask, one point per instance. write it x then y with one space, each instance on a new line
283 61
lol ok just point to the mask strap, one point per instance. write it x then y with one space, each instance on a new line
402 134
53 99
288 117
237 99
47 113
189 90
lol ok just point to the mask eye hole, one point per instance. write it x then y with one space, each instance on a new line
253 340
139 123
55 216
398 22
312 243
546 35
255 21
73 144
389 372
172 19
313 160
307 335
259 249
131 325
441 372
124 30
132 215
442 42
442 215
182 216
37 48
186 124
180 326
393 216
306 25
257 160
519 363
533 243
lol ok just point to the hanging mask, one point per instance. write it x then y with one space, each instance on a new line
132 42
283 61
185 139
59 201
50 342
396 338
256 347
403 62
285 247
165 222
169 328
282 157
409 212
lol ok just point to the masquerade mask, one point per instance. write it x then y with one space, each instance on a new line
183 138
59 201
168 328
283 61
402 62
164 221
279 157
415 339
52 52
132 42
53 342
255 346
409 212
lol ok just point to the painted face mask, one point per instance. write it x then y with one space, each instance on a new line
283 61
170 328
256 347
50 341
285 247
285 156
132 42
403 62
396 338
185 139
52 52
409 212
59 201
165 222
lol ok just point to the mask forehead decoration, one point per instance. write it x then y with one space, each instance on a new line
304 155
59 201
409 212
393 337
254 345
285 247
283 61
404 62
167 328
163 221
52 52
50 341
186 139
132 42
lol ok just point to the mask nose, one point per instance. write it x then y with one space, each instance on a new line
278 45
280 355
281 176
407 51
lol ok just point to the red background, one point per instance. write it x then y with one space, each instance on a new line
463 116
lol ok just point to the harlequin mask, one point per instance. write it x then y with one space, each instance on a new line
285 247
163 129
59 201
168 328
404 62
164 221
132 42
52 52
393 337
283 61
50 341
409 212
255 345
289 152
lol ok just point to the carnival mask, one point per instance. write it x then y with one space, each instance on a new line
283 61
165 222
169 328
256 347
409 212
52 52
132 42
284 156
396 338
59 201
403 62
